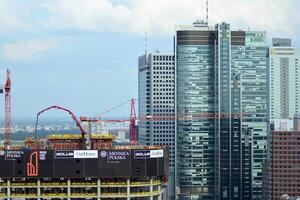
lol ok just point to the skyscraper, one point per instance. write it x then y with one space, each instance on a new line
283 80
221 107
157 108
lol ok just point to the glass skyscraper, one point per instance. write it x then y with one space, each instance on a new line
221 109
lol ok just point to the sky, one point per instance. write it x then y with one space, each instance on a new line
82 54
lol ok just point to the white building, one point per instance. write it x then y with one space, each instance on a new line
283 80
157 107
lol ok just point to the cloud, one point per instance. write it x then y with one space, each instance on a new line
23 50
157 16
160 16
13 17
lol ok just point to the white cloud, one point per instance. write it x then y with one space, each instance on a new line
160 16
23 50
13 17
157 16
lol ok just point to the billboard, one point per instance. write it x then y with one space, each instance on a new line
112 163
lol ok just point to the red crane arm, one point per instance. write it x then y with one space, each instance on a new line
64 109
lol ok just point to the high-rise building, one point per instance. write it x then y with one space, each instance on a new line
283 80
221 105
157 108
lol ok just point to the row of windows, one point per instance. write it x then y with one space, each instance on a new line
163 81
164 68
164 98
162 57
163 135
164 140
164 89
164 131
164 123
161 72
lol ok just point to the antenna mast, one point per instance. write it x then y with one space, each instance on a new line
206 11
146 38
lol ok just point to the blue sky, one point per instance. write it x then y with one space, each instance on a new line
82 54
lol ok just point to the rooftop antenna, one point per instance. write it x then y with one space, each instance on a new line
146 38
206 11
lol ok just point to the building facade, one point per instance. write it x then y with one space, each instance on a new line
157 107
283 80
281 170
221 105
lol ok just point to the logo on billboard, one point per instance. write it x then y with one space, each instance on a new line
144 154
12 155
64 154
43 155
117 156
156 153
85 153
33 164
141 154
103 154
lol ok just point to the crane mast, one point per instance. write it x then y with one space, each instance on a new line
7 123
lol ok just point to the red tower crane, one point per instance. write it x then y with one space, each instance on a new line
132 120
7 123
133 135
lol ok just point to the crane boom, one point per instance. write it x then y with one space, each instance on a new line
66 110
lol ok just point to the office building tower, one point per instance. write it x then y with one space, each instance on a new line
281 169
283 80
157 108
221 105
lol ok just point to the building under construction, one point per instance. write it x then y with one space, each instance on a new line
58 168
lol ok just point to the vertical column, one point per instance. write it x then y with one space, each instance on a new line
98 189
8 188
128 189
151 189
38 189
69 189
159 189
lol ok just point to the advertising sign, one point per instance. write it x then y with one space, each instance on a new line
141 154
63 154
157 153
144 154
85 153
115 156
43 155
12 155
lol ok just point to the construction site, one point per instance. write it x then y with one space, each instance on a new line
79 166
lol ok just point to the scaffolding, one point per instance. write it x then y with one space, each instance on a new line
81 188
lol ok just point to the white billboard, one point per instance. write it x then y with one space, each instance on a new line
156 153
85 153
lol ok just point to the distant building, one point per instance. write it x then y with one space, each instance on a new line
283 80
282 168
157 106
221 104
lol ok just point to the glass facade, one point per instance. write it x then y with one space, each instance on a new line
221 109
195 126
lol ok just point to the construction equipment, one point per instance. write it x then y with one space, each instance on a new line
7 123
73 117
132 120
133 135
